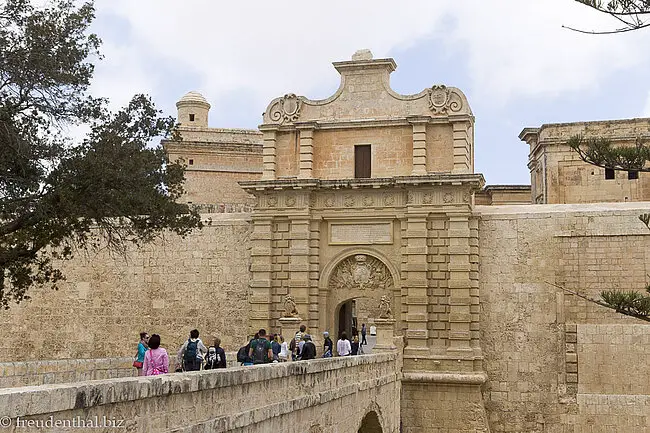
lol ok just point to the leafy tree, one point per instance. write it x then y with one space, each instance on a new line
630 14
57 195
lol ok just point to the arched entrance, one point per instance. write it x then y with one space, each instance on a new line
370 423
346 317
351 289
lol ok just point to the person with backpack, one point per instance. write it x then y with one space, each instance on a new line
216 357
191 354
156 360
242 353
260 350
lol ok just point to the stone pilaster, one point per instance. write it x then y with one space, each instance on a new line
460 284
419 146
298 254
306 150
462 147
414 268
261 266
314 272
268 154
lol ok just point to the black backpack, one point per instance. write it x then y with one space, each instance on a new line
260 352
242 354
190 351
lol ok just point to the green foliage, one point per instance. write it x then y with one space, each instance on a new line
113 188
602 153
629 302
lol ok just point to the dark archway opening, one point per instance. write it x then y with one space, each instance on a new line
346 319
370 423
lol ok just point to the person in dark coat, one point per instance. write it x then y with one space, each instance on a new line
308 349
328 345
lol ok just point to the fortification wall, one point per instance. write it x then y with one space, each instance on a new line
168 288
555 361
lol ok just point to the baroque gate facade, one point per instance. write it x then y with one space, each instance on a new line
368 196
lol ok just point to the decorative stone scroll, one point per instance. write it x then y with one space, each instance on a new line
443 100
361 272
287 109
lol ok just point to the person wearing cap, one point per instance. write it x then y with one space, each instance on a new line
308 349
328 345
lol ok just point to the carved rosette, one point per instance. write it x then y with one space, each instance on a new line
286 109
361 272
443 100
290 201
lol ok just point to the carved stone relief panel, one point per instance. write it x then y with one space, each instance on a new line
361 272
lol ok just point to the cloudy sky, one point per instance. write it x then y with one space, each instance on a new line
512 58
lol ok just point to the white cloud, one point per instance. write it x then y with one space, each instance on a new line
512 48
646 109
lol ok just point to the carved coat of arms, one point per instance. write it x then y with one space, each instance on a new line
361 272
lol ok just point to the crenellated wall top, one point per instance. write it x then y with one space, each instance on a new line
365 94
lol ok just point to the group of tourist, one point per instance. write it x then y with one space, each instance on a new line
263 349
193 355
152 359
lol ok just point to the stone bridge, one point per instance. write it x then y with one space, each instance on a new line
347 394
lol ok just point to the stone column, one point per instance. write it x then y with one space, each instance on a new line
460 283
419 145
462 147
414 266
306 131
268 154
260 284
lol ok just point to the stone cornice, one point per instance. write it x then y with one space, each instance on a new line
474 181
367 123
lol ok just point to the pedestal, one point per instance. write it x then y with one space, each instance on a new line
289 326
385 334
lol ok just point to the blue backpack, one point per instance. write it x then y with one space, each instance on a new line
191 350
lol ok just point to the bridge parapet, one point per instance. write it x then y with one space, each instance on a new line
321 395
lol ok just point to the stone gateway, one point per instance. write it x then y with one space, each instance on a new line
363 208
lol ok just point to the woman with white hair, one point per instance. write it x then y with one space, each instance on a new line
327 345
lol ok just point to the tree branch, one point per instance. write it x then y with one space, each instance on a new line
601 303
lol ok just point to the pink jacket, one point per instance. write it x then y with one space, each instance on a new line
156 361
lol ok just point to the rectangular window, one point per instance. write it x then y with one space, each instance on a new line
362 161
191 162
191 117
609 173
632 174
